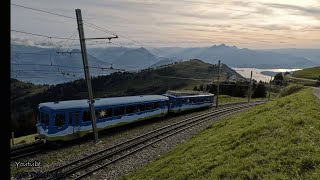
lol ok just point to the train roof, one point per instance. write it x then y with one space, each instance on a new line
99 102
187 94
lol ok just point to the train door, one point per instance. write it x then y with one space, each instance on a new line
162 106
74 122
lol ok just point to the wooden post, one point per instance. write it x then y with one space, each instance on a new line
12 138
217 99
269 87
249 90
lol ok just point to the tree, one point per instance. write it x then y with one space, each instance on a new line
201 87
286 73
278 78
195 88
260 91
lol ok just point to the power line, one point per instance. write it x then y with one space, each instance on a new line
61 15
93 26
41 35
42 11
48 65
73 35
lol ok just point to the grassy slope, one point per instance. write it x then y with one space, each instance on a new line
309 73
24 139
278 140
20 90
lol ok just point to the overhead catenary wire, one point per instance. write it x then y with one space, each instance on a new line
41 35
34 9
73 35
86 23
93 26
71 67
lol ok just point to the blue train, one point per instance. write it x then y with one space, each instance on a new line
67 120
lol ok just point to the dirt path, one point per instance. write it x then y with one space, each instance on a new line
291 77
316 92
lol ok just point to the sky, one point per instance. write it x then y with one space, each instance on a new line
254 24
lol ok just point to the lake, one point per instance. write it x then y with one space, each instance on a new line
260 74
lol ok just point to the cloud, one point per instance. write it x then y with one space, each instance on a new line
272 27
30 42
310 11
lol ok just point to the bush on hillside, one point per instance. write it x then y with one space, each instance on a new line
292 88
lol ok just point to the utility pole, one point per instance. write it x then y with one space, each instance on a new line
249 90
218 85
86 73
269 87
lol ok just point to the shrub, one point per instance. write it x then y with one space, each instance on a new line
292 88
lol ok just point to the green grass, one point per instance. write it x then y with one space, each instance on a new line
24 139
309 73
277 140
230 99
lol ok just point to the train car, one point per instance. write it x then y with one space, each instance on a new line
67 120
187 100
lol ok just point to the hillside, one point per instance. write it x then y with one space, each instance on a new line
20 89
184 75
309 73
136 59
277 140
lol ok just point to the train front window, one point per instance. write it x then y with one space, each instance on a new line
44 118
59 120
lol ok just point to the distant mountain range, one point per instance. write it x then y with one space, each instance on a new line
44 66
236 57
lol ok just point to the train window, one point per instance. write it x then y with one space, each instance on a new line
183 101
118 111
59 120
44 118
157 105
141 107
131 109
104 113
86 116
188 101
70 118
149 106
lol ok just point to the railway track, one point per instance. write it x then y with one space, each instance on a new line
87 165
26 150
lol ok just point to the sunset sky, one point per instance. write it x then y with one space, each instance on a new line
255 24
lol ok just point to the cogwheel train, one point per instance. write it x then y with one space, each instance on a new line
67 120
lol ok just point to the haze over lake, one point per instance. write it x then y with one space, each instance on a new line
257 73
